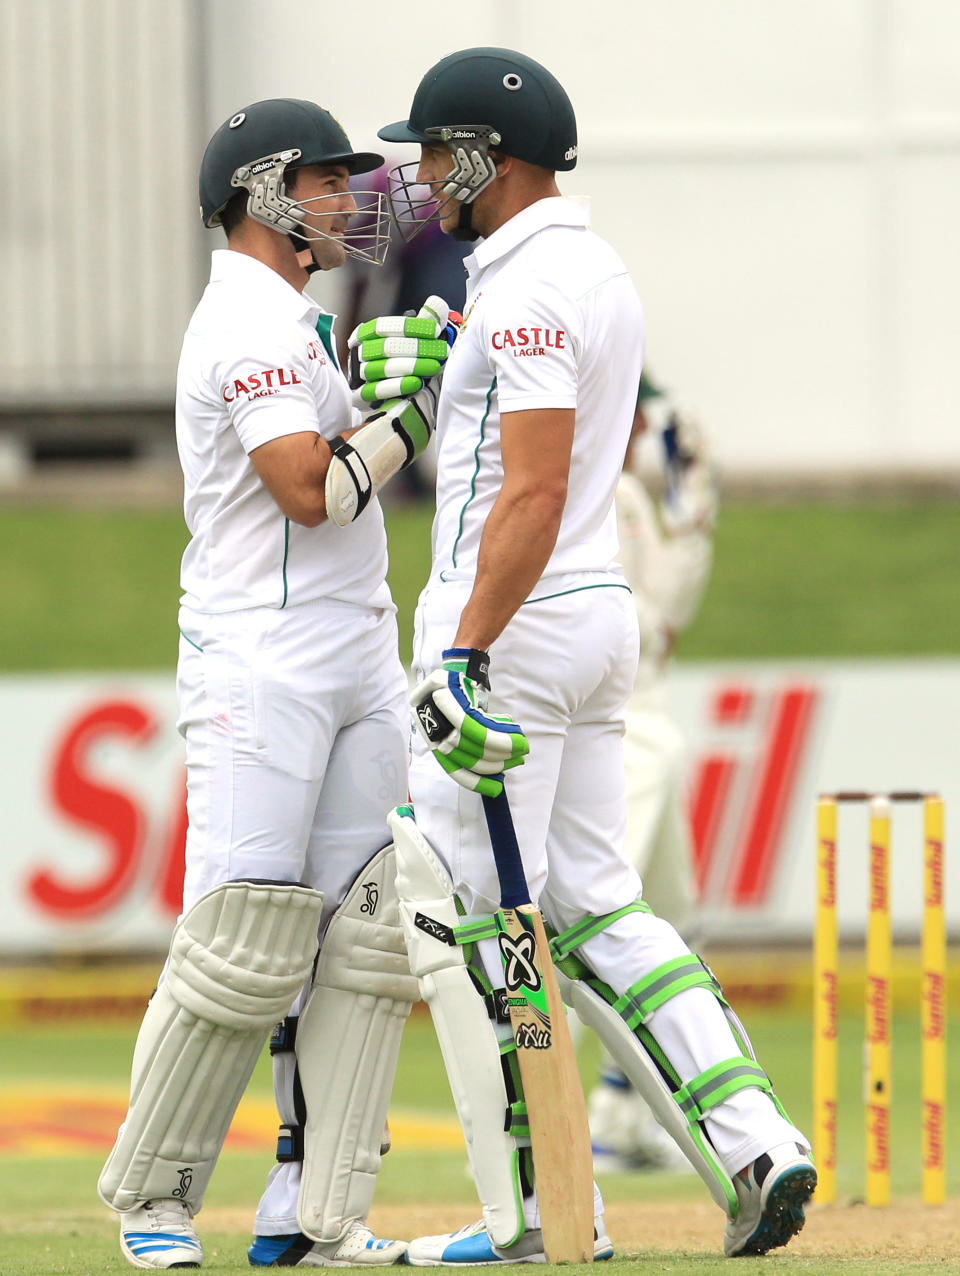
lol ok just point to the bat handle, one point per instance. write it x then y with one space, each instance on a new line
506 852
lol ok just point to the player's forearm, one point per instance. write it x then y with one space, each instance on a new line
518 539
293 469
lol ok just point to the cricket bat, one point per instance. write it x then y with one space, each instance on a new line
556 1108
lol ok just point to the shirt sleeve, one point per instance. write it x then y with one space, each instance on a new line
533 339
267 392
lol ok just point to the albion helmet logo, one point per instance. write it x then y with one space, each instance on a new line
570 153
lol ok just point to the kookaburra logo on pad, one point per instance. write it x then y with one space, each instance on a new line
186 1178
518 954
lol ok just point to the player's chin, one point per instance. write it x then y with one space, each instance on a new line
329 253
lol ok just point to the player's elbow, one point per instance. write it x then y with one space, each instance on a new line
546 501
309 516
307 508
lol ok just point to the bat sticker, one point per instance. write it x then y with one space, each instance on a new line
430 926
518 955
531 1036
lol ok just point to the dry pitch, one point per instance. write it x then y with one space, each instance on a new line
647 1234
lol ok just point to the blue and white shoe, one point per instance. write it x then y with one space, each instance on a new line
159 1234
772 1193
357 1248
472 1246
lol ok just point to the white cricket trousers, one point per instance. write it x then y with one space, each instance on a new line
296 726
564 670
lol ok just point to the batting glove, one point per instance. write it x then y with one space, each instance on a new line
391 357
450 708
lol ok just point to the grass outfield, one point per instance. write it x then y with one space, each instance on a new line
88 590
50 1221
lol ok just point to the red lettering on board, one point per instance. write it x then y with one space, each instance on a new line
114 816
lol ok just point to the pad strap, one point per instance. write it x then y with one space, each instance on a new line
290 1143
641 999
283 1038
564 943
718 1083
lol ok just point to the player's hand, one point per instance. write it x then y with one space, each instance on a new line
392 357
450 708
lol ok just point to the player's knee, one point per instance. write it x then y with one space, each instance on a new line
242 952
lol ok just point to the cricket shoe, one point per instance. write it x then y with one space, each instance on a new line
159 1234
358 1248
472 1246
772 1193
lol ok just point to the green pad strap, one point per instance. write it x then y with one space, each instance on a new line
517 1123
641 999
718 1084
568 940
477 928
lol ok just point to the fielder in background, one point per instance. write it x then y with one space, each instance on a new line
533 423
292 703
667 554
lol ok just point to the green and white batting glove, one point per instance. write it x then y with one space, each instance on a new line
450 709
392 357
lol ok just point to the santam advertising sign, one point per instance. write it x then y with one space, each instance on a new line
94 823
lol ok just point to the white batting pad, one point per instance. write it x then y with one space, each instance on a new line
348 1039
468 1042
237 960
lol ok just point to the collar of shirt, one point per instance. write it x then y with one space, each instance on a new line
557 210
226 264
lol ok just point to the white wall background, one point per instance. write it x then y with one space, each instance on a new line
99 256
783 179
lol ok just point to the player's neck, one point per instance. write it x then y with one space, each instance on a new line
527 188
273 249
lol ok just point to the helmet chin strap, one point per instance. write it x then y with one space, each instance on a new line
304 255
464 231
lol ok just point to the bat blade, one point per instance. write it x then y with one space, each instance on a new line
556 1108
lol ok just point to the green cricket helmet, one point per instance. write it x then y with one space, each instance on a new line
259 144
472 102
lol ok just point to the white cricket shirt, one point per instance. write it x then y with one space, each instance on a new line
257 363
551 320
